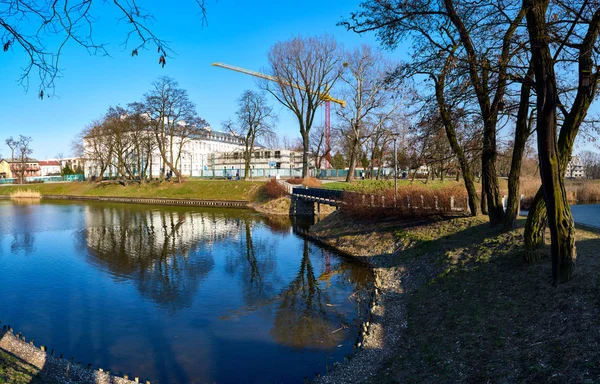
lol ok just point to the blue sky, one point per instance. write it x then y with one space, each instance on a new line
238 33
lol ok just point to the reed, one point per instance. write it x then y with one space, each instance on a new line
25 194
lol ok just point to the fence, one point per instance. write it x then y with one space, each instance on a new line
44 179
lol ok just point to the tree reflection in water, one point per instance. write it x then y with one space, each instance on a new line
255 261
165 253
302 319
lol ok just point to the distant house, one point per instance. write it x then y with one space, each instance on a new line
575 169
49 168
5 172
32 167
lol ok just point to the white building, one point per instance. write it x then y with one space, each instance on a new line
50 168
264 162
575 169
197 157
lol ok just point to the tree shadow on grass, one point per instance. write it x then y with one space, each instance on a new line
15 370
489 318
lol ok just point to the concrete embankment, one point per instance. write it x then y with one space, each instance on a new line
153 201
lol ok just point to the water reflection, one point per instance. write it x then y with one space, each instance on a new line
302 319
180 292
166 253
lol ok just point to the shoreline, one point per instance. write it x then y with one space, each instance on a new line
149 200
388 316
55 369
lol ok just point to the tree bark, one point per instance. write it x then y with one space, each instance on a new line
521 135
305 148
455 145
484 205
353 159
560 220
536 219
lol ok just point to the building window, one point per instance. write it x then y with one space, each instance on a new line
257 155
235 155
267 154
278 154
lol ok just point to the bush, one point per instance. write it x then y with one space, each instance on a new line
412 202
272 189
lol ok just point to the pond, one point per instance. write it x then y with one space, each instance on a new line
178 294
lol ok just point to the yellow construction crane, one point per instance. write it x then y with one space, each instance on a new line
326 97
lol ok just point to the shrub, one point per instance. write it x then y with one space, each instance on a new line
272 189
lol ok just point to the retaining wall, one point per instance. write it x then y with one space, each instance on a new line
57 369
151 200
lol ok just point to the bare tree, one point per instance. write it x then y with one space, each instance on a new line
43 29
23 151
479 46
306 68
98 146
255 119
366 93
173 119
591 164
572 28
318 151
12 144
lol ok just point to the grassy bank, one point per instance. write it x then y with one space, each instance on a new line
16 371
201 189
373 186
473 312
578 190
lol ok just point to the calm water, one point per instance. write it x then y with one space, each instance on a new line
177 295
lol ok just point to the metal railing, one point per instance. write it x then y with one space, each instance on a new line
320 193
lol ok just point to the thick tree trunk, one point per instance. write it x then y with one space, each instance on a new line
521 135
537 213
560 220
484 205
535 227
305 147
353 160
491 189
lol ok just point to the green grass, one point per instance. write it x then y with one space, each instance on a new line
15 371
369 186
476 312
201 189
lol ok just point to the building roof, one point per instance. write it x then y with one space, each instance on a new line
49 163
18 160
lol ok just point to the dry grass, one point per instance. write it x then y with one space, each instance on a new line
578 191
25 194
307 181
411 201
